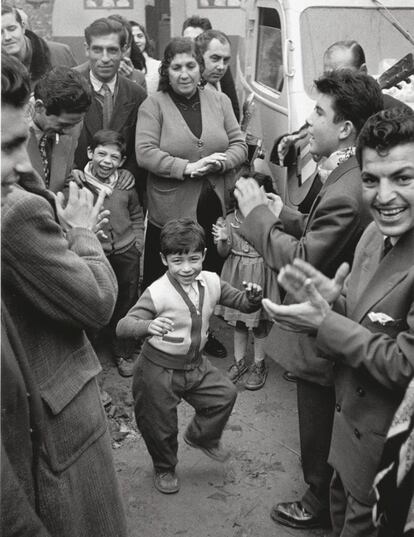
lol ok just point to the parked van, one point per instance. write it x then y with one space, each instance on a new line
283 51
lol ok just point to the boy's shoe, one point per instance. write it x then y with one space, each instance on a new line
214 347
257 376
237 370
166 481
217 453
125 366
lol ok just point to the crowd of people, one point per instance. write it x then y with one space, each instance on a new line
126 161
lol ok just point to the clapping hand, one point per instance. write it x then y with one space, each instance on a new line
220 231
254 292
80 211
249 195
314 291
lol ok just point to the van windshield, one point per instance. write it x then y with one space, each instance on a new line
383 44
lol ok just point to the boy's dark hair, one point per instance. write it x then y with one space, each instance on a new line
203 40
181 236
355 96
177 45
106 26
197 22
15 82
63 90
108 137
385 130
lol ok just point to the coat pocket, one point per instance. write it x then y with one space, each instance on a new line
74 417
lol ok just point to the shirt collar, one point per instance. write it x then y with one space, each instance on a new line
97 84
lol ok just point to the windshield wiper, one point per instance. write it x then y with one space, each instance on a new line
392 20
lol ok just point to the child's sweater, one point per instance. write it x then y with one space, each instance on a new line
180 348
126 219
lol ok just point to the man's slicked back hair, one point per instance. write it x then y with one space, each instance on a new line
104 26
203 40
197 22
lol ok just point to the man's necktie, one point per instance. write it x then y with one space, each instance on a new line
107 106
43 149
387 246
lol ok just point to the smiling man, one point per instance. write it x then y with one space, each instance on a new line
326 238
369 332
115 99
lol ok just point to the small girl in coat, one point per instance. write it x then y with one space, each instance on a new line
243 263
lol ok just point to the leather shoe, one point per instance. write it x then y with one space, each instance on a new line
166 481
217 453
294 515
214 347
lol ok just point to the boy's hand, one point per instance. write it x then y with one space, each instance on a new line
160 326
103 219
254 292
220 233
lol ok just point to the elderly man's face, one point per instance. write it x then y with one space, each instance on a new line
14 157
12 35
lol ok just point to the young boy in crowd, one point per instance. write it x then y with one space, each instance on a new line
124 233
175 312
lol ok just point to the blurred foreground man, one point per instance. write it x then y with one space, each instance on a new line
366 326
58 476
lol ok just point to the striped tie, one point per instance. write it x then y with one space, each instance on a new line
107 106
45 158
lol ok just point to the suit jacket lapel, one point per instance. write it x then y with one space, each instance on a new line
336 174
381 276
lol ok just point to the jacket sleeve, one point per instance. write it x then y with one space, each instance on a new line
136 322
67 278
334 224
233 298
237 150
147 144
389 360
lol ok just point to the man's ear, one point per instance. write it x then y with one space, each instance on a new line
346 130
39 107
363 68
163 259
86 47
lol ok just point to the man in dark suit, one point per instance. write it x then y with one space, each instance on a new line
326 237
61 99
115 99
369 331
58 476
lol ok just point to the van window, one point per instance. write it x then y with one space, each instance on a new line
269 59
382 43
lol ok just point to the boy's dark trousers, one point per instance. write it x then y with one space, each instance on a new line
157 392
126 268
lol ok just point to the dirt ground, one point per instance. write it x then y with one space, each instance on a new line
216 500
